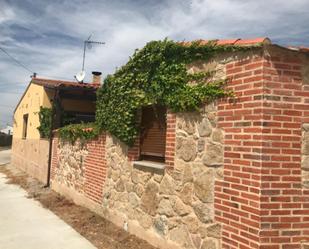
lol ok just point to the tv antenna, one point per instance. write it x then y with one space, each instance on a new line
87 44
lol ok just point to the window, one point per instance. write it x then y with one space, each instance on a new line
153 133
70 117
25 125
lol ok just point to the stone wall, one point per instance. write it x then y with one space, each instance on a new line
237 172
71 168
31 156
174 206
79 169
177 204
305 155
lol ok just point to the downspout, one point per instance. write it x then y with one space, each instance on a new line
54 114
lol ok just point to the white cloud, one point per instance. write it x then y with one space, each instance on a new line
47 36
6 13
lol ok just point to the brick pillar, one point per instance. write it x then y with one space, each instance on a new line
284 202
134 151
170 139
261 202
54 159
95 168
237 197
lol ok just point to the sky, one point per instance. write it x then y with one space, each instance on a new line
47 35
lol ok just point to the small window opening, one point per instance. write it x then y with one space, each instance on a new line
25 125
153 133
70 117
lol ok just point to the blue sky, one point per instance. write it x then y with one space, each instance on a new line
47 35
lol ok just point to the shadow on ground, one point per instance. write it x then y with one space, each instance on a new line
100 232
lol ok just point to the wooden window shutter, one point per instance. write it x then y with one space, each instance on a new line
153 133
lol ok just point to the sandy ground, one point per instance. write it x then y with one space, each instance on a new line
99 231
26 224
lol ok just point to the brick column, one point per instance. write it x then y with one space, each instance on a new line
170 139
95 168
284 202
237 197
134 151
54 159
261 202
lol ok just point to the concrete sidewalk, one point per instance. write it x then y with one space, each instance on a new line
5 156
25 224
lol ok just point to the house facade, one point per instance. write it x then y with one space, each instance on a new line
30 151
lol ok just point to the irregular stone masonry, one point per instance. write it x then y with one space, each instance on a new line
236 174
177 204
305 155
80 166
71 170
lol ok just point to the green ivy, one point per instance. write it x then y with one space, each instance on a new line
70 132
157 74
84 132
45 118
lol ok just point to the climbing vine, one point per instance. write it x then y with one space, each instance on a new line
157 74
84 132
45 118
69 132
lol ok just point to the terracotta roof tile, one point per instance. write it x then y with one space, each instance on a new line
247 42
238 41
263 40
61 83
227 42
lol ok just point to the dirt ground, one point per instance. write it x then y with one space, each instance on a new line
99 231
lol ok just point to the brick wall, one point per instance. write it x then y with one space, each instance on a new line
237 196
54 159
170 140
261 202
90 165
133 152
95 169
284 202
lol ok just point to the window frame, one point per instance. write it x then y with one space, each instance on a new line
25 126
152 156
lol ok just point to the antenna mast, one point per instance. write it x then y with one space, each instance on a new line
88 43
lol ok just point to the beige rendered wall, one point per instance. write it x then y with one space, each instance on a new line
30 104
35 97
31 154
